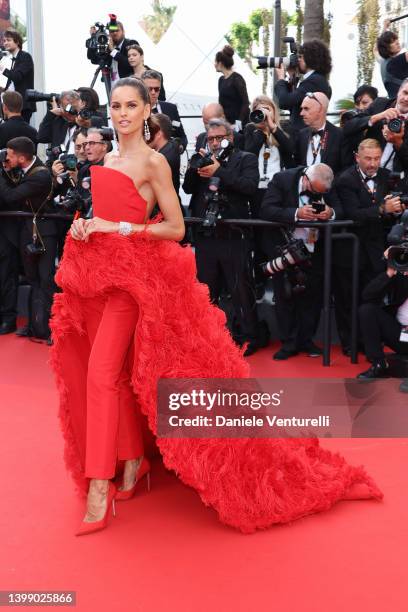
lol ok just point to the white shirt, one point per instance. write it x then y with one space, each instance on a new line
68 142
402 313
272 165
25 170
114 66
388 155
310 160
306 233
370 183
305 76
13 56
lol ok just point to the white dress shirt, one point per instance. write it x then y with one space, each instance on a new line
402 313
114 66
310 160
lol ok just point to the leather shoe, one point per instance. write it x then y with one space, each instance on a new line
251 348
24 332
377 370
7 328
312 350
284 354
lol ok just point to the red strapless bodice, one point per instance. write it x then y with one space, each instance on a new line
115 197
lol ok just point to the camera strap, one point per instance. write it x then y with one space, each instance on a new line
36 232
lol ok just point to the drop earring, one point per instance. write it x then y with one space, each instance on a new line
146 131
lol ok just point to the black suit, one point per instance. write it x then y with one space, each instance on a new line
53 129
291 99
298 316
124 68
34 188
171 110
355 130
171 153
332 150
223 255
358 206
378 324
16 126
22 76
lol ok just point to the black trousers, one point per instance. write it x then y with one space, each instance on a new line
225 261
8 280
299 315
341 291
379 326
39 271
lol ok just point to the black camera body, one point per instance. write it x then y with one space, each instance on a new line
398 239
215 203
394 125
292 261
99 41
198 161
76 199
290 61
34 249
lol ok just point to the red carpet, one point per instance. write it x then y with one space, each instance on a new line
165 550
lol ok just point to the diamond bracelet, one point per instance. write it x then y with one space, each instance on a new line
125 228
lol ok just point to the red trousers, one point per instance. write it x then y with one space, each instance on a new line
113 428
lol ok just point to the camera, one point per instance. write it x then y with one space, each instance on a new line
76 198
34 249
99 41
32 95
257 116
215 203
293 257
394 188
398 239
201 161
291 61
394 125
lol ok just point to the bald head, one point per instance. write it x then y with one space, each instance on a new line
314 109
212 110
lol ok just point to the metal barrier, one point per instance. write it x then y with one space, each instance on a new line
326 227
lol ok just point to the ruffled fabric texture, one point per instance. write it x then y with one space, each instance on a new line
251 483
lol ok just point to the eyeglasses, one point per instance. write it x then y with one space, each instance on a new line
311 95
216 138
155 89
91 143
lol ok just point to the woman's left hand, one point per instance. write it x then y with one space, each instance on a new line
96 224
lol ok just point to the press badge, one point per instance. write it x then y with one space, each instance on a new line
404 334
263 183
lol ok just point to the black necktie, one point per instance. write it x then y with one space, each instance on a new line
318 133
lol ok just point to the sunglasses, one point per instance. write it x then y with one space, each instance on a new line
311 95
155 89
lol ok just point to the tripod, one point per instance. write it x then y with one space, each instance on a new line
105 69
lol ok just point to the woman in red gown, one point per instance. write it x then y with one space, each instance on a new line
130 312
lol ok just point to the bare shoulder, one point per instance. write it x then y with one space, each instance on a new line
111 159
156 162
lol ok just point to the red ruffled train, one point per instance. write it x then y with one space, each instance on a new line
251 483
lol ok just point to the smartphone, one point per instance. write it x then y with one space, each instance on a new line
318 207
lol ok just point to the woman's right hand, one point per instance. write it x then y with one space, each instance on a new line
78 229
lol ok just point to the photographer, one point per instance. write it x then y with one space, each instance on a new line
364 96
152 80
384 324
365 196
320 141
222 254
89 115
393 62
116 59
59 125
295 195
20 76
314 62
25 184
384 121
14 124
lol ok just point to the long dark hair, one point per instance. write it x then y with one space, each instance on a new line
144 94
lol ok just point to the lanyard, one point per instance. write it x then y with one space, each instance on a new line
321 146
